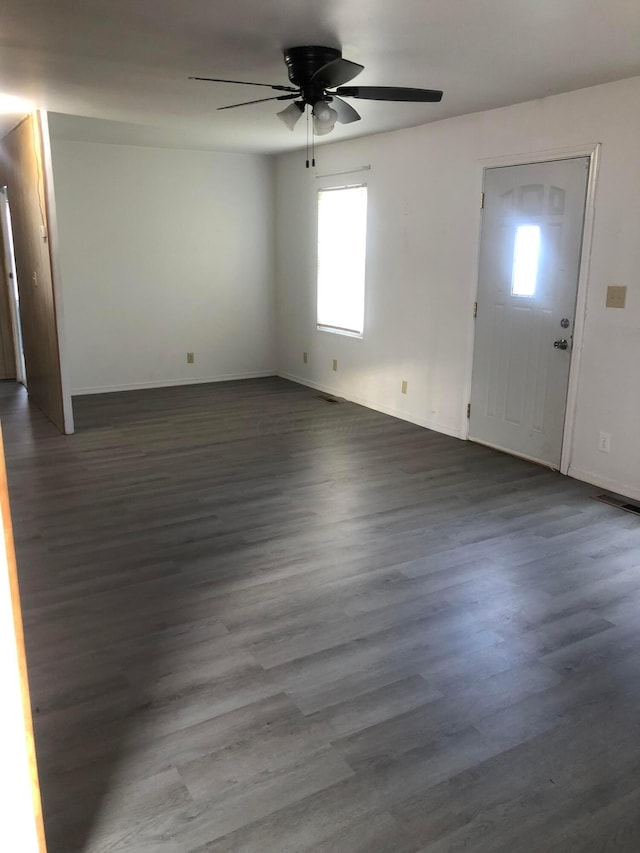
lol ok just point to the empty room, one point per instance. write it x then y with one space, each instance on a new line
320 484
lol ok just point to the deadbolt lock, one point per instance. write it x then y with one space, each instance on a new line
564 322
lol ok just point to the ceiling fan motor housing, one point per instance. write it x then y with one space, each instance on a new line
303 62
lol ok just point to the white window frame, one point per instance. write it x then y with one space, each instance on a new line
326 327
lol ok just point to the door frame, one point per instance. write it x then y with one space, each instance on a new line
53 240
592 151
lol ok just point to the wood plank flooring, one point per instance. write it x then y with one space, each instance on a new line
263 623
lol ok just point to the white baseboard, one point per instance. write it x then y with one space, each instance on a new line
369 404
169 383
632 492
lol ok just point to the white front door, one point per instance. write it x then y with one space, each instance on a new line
529 264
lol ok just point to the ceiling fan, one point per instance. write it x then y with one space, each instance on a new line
316 71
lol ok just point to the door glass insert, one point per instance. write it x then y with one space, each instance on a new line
526 255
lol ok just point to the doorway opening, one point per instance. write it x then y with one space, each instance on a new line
12 364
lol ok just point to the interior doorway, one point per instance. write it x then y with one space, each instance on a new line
530 251
10 296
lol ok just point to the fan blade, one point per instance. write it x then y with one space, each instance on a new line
260 101
336 72
346 113
391 93
245 83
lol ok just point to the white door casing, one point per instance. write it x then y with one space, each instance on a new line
530 251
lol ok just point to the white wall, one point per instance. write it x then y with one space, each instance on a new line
164 252
423 238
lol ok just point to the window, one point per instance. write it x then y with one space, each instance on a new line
526 254
342 241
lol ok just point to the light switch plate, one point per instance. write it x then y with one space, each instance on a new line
616 296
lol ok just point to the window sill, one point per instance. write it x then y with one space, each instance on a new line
335 330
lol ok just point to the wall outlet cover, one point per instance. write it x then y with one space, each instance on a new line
616 296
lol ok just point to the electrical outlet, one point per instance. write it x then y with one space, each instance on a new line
191 358
604 442
305 357
404 386
335 363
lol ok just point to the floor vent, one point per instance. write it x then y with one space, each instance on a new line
329 398
619 503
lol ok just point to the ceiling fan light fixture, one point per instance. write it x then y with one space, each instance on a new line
324 118
317 76
10 104
290 115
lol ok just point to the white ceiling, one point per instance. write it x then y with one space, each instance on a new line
125 63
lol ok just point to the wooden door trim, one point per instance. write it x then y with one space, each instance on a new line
5 511
56 275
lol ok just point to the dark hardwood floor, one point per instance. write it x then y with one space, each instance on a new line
263 623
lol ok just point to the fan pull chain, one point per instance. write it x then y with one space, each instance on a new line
306 111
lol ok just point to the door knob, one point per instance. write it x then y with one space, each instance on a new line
563 343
